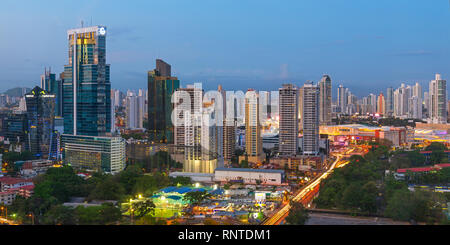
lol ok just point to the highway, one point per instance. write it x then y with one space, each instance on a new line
9 222
279 216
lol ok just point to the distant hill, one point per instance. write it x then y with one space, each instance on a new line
17 92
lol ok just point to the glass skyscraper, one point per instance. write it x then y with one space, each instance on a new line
41 139
53 86
161 86
87 87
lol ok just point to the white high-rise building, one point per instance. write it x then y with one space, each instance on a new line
437 100
134 110
415 107
417 91
342 98
310 143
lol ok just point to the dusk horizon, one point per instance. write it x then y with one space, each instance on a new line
239 48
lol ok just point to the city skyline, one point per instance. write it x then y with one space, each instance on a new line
373 51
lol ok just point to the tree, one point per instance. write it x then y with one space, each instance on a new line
143 208
437 152
128 177
298 215
59 215
108 189
196 197
244 164
105 214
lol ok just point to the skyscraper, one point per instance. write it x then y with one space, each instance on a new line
310 145
389 101
41 141
325 100
253 140
134 111
161 86
381 105
53 86
288 109
417 90
87 87
342 98
438 99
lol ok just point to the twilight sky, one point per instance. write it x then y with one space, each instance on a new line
365 45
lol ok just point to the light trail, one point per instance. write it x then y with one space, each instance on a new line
282 213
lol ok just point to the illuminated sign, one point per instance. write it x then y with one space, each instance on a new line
102 31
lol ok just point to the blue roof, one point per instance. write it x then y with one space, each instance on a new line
176 198
155 196
169 189
251 170
183 190
197 189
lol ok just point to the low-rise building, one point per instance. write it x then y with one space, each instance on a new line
8 183
94 153
250 176
7 197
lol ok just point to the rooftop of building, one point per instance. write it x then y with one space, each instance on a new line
11 181
251 170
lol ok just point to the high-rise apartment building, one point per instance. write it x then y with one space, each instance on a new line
87 87
389 101
134 111
437 100
184 129
310 145
253 139
325 100
288 122
342 98
381 105
161 86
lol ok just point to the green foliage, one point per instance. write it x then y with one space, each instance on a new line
12 156
298 215
59 215
196 197
143 208
107 189
180 180
438 155
420 206
105 214
61 183
244 164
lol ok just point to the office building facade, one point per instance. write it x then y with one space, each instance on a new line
94 153
161 86
42 137
87 87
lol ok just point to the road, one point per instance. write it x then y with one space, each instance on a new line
279 216
9 222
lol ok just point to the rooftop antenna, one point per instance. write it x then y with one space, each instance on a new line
91 20
81 23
